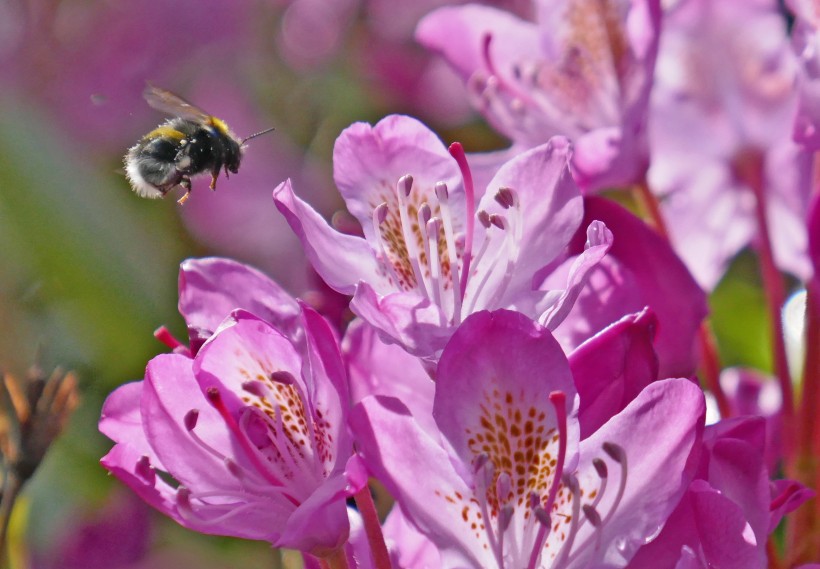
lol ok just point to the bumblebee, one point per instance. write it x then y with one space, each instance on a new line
191 143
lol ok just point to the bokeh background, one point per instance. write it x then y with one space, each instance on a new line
88 270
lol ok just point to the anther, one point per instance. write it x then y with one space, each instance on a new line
615 452
283 377
190 419
503 487
441 191
505 197
600 467
406 183
424 214
484 219
254 388
380 213
183 498
144 470
543 517
498 221
592 515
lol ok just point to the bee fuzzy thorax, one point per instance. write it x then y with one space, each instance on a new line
191 143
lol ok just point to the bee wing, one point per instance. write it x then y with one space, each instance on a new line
174 105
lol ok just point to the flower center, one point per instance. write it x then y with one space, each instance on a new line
425 246
525 506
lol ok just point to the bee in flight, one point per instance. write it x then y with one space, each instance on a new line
190 143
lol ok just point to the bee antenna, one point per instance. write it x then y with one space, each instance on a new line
260 133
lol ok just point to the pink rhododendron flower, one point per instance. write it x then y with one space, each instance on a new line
581 70
722 154
729 510
640 270
252 429
434 250
508 482
806 42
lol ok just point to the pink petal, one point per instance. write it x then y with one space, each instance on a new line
341 260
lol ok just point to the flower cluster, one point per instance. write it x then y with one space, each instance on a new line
530 373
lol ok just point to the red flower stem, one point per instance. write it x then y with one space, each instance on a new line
373 528
750 169
710 361
804 530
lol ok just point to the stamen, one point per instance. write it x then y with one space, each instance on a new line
431 241
443 196
484 473
617 454
571 483
403 189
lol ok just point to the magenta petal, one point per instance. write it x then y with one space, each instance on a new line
395 450
341 260
598 159
724 537
121 419
328 390
319 524
613 367
408 547
377 368
244 350
500 362
458 33
122 460
404 318
170 393
369 160
550 206
660 433
662 280
599 241
787 496
211 288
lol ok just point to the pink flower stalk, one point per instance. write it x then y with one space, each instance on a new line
581 70
508 482
247 439
723 162
436 248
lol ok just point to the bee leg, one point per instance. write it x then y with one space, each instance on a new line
213 180
185 183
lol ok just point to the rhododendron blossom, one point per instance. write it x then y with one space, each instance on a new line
508 482
252 430
435 249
